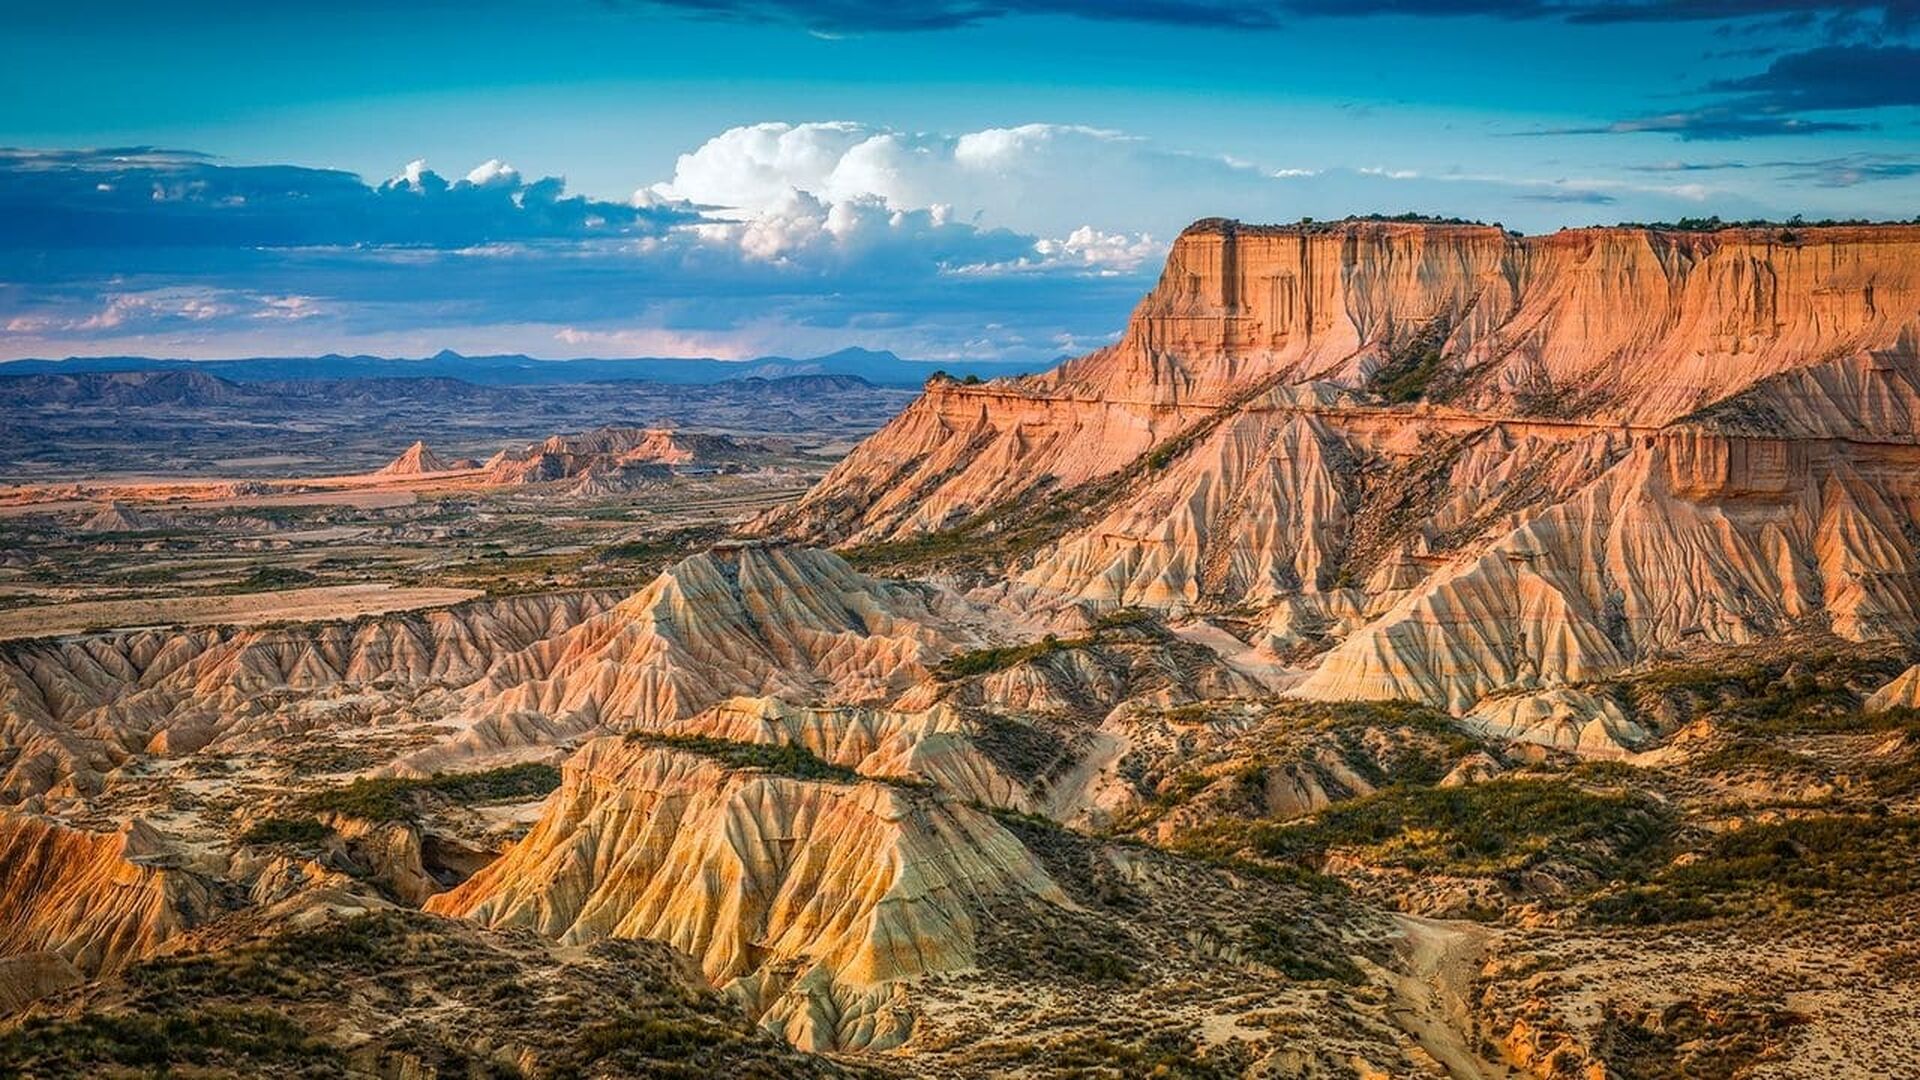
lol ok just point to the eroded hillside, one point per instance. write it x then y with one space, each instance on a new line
1412 650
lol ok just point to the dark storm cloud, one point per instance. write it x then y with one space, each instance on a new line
1786 98
143 196
1712 124
1831 78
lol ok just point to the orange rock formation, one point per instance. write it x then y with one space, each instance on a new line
1456 465
417 459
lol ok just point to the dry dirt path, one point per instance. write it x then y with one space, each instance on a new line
1441 958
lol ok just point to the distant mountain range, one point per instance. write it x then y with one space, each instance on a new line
882 368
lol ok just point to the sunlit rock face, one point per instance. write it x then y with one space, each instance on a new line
751 619
1448 463
1902 693
807 899
1609 326
83 902
417 460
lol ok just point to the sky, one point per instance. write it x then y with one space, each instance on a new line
950 179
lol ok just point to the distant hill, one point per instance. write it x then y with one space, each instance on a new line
119 389
881 368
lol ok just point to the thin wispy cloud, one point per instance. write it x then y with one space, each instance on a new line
1842 171
1883 16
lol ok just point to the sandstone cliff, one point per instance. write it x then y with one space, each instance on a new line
1450 464
93 901
1608 326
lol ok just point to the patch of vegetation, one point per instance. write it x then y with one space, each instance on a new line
1800 865
1393 502
1123 1050
1718 1038
302 832
663 548
424 996
1382 743
1814 688
783 759
1285 947
1714 224
267 578
1410 371
1063 946
1107 626
1311 225
987 661
1753 755
1481 829
231 1040
1022 749
392 798
1126 618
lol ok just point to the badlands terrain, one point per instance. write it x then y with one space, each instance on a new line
1411 650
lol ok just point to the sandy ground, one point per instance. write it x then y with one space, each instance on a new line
1433 1000
327 602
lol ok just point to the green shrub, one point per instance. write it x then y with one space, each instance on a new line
1479 829
784 759
290 832
988 661
1796 865
223 1040
393 798
1281 946
274 577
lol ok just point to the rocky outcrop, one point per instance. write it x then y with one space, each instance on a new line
609 452
1453 465
74 709
750 619
92 901
117 517
806 900
414 461
1689 539
1902 693
1596 326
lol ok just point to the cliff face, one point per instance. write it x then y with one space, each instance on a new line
1584 327
90 902
1608 324
1450 464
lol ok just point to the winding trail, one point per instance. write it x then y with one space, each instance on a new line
1432 998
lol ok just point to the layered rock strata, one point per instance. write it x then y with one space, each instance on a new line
1454 465
806 900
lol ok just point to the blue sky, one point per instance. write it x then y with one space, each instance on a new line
956 178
